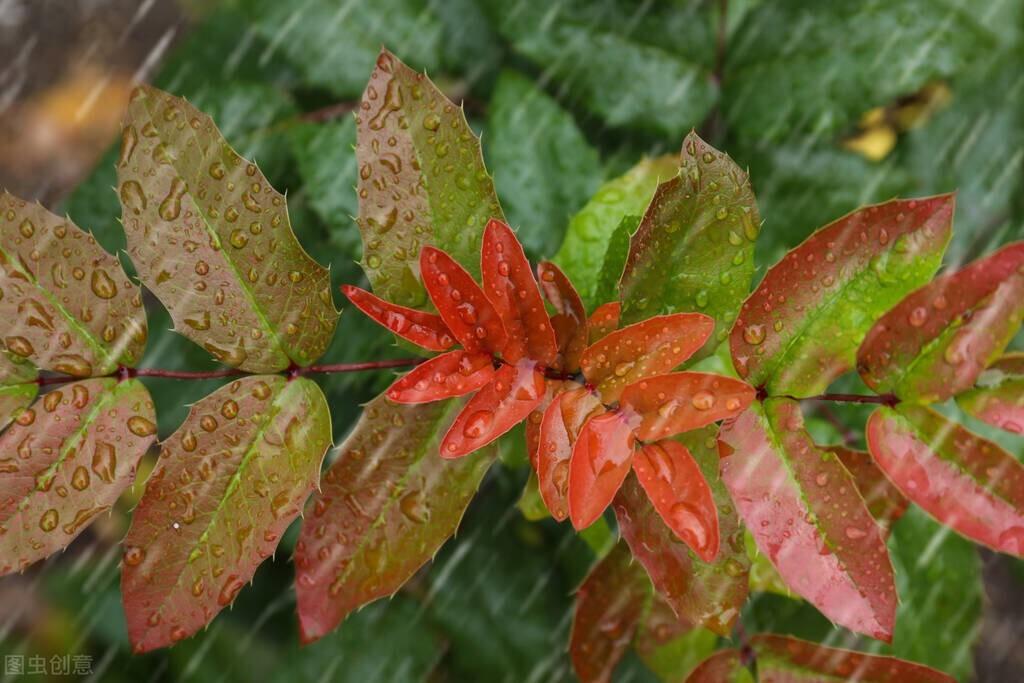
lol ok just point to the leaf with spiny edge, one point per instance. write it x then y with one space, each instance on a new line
694 248
801 327
239 283
998 398
385 506
65 460
607 287
18 386
254 448
422 181
67 304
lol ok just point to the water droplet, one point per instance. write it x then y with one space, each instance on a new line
703 400
229 409
104 461
48 522
854 534
19 346
918 316
132 197
102 285
478 424
80 478
229 590
140 426
170 207
753 334
431 121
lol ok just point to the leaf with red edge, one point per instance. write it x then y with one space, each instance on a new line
885 502
601 458
706 594
603 321
385 507
512 289
228 484
609 606
641 350
461 303
998 399
426 330
805 513
560 425
801 327
680 401
936 341
570 319
456 373
725 666
509 398
64 460
966 482
676 487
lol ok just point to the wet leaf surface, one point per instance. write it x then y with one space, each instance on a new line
999 397
683 401
426 330
465 309
18 387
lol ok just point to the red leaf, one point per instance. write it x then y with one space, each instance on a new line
999 397
884 501
552 390
676 486
456 373
561 423
680 401
498 407
570 319
937 340
426 330
724 666
465 310
803 509
600 461
647 348
609 606
964 481
603 320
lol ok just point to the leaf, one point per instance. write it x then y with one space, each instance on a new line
803 509
694 248
18 388
885 502
560 425
966 482
669 647
545 169
724 666
590 230
463 306
642 350
601 458
607 287
228 483
683 401
422 180
609 607
242 286
570 319
936 341
425 330
65 460
69 306
603 321
385 506
999 397
452 374
801 327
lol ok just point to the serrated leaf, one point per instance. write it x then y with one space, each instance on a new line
228 483
966 482
935 342
999 397
694 248
607 287
65 460
241 286
68 305
18 387
804 511
385 507
801 327
669 647
589 232
422 180
885 502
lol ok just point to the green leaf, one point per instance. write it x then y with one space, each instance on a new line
671 648
545 170
422 181
801 327
694 248
384 508
18 388
586 240
530 503
65 460
999 397
615 260
242 287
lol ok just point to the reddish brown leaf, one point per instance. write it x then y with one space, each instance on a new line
648 348
458 298
999 397
964 481
681 401
559 427
937 340
603 321
885 502
570 319
426 330
512 289
600 461
725 666
455 373
803 509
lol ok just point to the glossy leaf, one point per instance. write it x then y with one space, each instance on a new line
885 502
801 327
694 248
228 483
422 180
67 305
65 460
18 387
671 648
385 506
804 511
966 482
532 426
465 309
601 458
570 318
682 401
240 284
609 607
512 289
607 288
456 373
559 427
999 397
937 340
644 349
426 330
603 321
